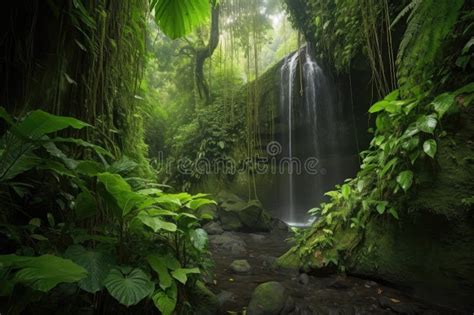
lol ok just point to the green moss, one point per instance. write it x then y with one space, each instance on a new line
445 188
290 260
430 254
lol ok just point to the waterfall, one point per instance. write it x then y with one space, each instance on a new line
310 117
288 72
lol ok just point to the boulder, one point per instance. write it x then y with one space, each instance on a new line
225 296
213 228
208 212
240 266
238 250
237 214
303 279
268 262
268 298
257 237
228 242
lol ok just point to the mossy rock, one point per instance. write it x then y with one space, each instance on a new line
236 214
290 260
267 299
209 211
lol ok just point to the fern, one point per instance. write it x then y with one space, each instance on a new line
429 23
412 6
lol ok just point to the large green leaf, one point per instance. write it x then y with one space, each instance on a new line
13 164
427 123
39 123
86 206
155 222
197 203
388 166
166 300
97 264
89 168
198 238
59 154
468 88
85 144
388 106
405 179
44 272
129 288
346 191
159 265
442 103
430 147
181 274
178 18
121 192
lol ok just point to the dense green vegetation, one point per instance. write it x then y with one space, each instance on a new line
110 108
409 119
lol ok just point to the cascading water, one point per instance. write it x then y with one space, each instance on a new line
288 75
313 128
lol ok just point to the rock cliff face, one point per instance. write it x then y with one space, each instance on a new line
431 249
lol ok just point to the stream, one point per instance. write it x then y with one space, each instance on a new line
305 294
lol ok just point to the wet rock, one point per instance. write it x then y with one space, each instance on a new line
213 228
399 307
237 214
268 298
230 221
289 306
268 261
225 241
228 242
238 250
279 224
240 266
303 279
224 297
257 237
339 283
208 212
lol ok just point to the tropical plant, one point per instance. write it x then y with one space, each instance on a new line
179 18
119 229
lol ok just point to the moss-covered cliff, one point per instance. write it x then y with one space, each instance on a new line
406 218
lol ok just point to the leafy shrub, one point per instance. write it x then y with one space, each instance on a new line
406 137
121 235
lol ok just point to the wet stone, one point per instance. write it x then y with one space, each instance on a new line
303 279
240 266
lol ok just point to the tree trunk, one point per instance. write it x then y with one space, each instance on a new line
205 52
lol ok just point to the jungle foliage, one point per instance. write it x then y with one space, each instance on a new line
434 71
89 223
83 222
194 126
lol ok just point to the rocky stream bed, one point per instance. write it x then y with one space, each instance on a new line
247 281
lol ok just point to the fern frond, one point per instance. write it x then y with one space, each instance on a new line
412 6
428 25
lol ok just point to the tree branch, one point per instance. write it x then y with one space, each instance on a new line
205 52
